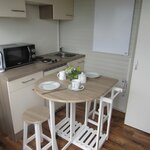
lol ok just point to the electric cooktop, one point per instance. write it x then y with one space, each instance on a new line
46 60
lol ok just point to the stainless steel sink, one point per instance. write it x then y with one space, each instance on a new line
64 54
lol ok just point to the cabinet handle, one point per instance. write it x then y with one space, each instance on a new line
69 15
17 10
28 81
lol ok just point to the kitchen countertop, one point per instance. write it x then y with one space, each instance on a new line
15 73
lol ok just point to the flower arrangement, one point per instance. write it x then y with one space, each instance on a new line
72 72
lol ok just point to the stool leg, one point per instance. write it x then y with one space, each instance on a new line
99 124
49 125
108 107
37 136
41 132
109 120
25 134
94 108
52 125
102 116
89 108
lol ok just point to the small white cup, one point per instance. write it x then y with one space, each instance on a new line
75 84
61 75
82 77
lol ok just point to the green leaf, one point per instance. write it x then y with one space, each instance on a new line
78 69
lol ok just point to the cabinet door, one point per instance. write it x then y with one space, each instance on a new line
19 102
23 98
63 9
12 8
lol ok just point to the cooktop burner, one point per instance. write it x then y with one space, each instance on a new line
49 60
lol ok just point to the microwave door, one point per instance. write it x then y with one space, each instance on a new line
1 62
16 56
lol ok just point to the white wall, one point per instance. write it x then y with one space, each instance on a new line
43 33
77 36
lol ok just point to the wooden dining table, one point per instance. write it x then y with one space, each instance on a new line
68 128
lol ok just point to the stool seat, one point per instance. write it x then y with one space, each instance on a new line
37 114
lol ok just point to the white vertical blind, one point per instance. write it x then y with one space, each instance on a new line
112 26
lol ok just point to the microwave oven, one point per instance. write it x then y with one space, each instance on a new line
15 55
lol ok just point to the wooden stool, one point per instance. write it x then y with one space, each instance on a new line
114 93
36 116
103 103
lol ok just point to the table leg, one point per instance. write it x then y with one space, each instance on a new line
52 125
67 110
72 124
86 112
72 119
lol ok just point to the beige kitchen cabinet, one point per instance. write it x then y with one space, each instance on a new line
12 8
59 10
21 97
76 63
39 2
63 9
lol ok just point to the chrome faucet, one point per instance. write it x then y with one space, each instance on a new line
61 49
62 52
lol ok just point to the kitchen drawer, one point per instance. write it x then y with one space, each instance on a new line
24 81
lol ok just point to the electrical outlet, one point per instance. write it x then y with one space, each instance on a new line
124 86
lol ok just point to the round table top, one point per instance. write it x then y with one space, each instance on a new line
93 89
